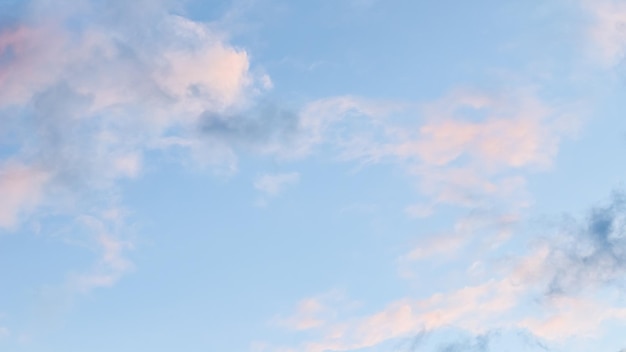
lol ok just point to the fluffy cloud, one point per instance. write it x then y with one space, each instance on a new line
85 102
86 90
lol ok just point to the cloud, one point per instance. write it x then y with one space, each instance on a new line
111 247
266 129
419 210
87 90
607 32
314 312
274 184
477 310
566 284
479 344
21 188
469 148
475 148
99 94
582 255
4 332
567 317
471 239
473 308
494 340
292 134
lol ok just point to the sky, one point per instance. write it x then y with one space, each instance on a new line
312 176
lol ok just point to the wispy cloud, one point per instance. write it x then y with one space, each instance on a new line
274 184
476 309
4 332
315 312
469 148
565 283
607 30
111 246
492 229
475 148
21 188
567 317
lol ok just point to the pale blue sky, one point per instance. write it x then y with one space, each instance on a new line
289 176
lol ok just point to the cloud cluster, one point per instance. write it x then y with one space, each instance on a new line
87 89
565 285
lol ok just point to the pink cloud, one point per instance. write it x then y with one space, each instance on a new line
22 190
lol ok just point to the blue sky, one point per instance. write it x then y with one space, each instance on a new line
276 176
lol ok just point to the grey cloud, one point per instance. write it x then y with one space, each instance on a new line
497 341
60 139
593 253
266 127
490 341
479 343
